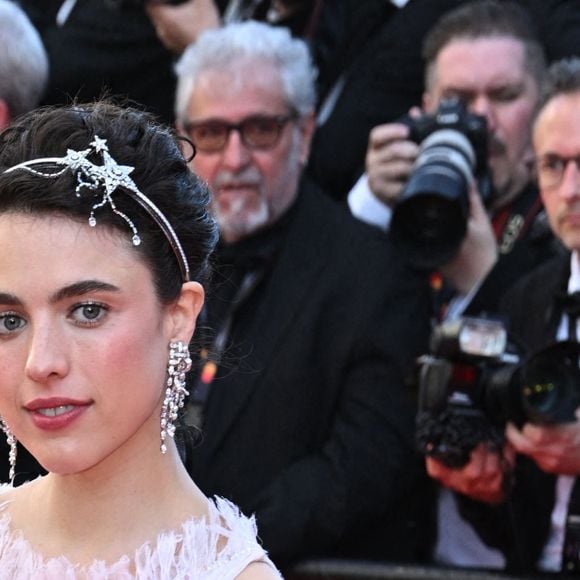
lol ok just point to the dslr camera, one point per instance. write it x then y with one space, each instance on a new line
430 219
474 381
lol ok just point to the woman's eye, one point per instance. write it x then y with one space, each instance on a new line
10 323
88 313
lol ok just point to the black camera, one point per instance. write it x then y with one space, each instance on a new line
430 219
475 381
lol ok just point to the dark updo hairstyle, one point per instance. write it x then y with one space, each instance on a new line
160 172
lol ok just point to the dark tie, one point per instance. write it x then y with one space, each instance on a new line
570 305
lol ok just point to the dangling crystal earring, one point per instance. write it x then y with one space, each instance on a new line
178 365
12 444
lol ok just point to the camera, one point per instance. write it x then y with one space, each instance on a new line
430 219
475 380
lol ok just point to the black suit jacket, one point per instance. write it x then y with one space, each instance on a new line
520 527
378 54
105 49
534 244
313 429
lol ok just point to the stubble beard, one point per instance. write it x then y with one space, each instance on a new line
239 220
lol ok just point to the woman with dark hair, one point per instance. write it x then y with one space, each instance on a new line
105 242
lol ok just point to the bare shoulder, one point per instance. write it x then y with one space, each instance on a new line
259 571
7 492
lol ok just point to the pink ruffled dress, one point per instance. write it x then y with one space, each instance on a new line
191 553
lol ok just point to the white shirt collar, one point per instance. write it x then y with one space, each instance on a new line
574 281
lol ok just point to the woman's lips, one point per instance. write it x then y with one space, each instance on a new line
55 413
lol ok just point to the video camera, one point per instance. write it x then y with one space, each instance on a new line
430 220
474 381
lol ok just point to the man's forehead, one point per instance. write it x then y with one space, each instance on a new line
240 75
557 125
495 60
233 90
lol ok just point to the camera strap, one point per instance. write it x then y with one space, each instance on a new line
512 222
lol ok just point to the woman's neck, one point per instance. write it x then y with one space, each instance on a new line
108 510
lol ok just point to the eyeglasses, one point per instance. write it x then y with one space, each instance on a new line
551 168
256 132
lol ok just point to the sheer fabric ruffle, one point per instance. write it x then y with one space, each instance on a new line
192 553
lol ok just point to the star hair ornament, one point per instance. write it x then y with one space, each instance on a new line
108 178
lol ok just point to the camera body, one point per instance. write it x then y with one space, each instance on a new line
474 381
430 219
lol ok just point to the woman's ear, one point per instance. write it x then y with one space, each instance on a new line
184 311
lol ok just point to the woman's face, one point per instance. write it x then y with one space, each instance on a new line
83 342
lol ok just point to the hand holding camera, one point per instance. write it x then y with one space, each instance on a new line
429 169
430 217
486 476
483 478
389 161
478 252
554 448
474 382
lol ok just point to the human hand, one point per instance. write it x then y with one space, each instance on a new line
478 252
179 25
481 479
389 160
554 448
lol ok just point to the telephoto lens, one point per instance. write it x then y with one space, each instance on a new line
430 219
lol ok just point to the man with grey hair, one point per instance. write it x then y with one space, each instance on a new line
301 395
23 63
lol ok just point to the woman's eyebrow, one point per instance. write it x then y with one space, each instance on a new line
9 299
82 287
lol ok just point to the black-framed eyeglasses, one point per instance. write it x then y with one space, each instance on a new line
550 169
256 132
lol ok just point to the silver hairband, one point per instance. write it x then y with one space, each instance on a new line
108 177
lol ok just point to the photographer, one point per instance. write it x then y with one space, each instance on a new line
486 55
535 524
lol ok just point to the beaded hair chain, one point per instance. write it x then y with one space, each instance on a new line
108 177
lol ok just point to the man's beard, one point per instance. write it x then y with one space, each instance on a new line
239 221
243 214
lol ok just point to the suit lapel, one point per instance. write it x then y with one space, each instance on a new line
294 276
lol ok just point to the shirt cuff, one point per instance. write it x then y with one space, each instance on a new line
366 207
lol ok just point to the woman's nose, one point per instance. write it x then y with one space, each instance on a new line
47 357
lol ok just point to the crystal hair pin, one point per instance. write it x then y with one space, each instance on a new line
108 177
